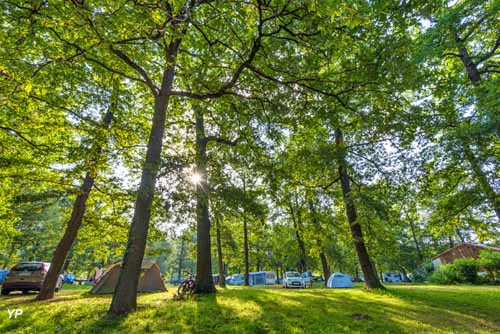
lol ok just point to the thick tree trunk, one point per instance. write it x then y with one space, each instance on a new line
79 206
371 279
220 262
204 279
125 296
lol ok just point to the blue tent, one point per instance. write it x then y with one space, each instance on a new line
339 280
69 278
3 275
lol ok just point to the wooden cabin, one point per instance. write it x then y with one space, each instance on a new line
461 251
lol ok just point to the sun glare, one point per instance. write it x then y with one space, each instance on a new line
195 178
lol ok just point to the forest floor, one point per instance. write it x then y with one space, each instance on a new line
401 309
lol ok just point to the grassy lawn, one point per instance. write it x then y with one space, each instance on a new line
400 309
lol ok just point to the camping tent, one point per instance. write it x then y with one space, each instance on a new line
150 279
339 280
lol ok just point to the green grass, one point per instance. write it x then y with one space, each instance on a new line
411 309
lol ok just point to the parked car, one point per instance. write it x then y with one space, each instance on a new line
318 279
308 278
293 279
28 276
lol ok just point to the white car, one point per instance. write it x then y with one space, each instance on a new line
293 279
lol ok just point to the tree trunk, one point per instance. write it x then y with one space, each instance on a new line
371 279
246 276
317 227
470 66
204 279
481 178
125 296
475 78
181 259
326 268
417 246
220 262
79 206
245 251
297 224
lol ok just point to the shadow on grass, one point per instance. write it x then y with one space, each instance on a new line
324 311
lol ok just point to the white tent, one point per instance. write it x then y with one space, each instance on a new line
339 280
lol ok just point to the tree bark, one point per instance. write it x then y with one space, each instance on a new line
246 276
481 178
204 278
125 296
220 262
322 256
371 279
297 225
475 78
245 252
75 222
417 246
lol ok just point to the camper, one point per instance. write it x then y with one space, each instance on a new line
339 280
392 277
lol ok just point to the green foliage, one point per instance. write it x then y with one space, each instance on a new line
466 270
445 274
490 261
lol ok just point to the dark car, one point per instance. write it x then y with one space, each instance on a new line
28 276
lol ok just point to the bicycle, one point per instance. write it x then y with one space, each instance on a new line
186 288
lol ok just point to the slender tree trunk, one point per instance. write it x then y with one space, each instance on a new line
181 259
245 251
220 262
79 206
125 296
204 279
371 279
297 224
317 227
414 235
325 266
246 276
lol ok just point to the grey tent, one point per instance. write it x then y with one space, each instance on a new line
149 281
339 280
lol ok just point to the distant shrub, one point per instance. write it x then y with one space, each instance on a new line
422 274
466 270
445 274
490 262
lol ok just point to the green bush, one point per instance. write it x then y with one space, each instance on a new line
466 270
490 262
445 274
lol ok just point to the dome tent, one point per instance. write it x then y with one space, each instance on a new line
339 280
149 281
